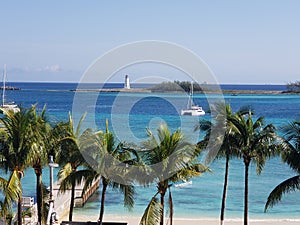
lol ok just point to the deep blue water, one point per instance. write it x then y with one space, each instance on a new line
71 86
130 114
277 87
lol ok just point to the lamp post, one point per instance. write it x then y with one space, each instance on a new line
51 201
51 166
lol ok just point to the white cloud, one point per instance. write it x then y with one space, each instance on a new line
51 68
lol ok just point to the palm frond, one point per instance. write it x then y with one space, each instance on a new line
203 125
77 130
287 186
11 191
152 213
128 195
246 110
64 175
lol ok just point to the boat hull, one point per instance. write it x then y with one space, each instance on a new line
7 107
192 112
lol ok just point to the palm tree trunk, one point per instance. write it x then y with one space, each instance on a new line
72 201
4 218
162 202
39 193
171 206
247 162
104 187
224 190
19 201
20 210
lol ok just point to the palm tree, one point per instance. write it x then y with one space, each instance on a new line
11 190
70 157
97 146
39 157
226 150
37 136
174 160
254 142
108 169
291 156
19 143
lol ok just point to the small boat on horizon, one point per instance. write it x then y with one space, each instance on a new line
192 108
7 106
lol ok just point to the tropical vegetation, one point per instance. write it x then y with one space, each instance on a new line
10 190
180 86
244 138
122 154
291 156
23 145
166 158
293 87
70 158
227 150
255 143
175 160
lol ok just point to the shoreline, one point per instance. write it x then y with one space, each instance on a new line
133 220
146 90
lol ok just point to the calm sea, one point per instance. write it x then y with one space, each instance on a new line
131 113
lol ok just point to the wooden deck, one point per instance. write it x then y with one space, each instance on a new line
62 200
80 199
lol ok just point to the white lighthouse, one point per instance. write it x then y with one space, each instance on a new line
127 83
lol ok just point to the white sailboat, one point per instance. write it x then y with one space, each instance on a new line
7 106
192 109
183 184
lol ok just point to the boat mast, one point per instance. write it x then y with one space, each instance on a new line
190 102
3 87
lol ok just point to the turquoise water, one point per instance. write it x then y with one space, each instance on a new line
131 113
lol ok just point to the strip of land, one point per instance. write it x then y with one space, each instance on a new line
146 90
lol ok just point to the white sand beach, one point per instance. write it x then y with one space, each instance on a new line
184 221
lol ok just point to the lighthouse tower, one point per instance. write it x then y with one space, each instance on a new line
127 83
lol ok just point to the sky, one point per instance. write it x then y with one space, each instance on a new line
242 42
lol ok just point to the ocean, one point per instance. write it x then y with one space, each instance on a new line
130 114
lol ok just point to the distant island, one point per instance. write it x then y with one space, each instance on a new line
293 87
12 88
185 87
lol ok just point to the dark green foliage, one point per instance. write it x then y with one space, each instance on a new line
290 155
180 86
175 160
293 86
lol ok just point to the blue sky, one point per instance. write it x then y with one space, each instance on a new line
241 41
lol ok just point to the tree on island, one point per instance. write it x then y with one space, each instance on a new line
293 86
179 86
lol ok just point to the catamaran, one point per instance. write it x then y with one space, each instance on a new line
192 108
7 106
